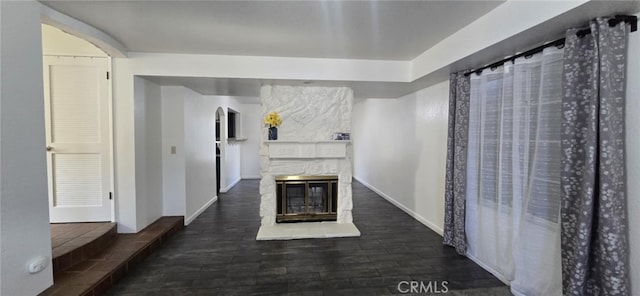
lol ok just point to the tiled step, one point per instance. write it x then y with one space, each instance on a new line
74 243
96 274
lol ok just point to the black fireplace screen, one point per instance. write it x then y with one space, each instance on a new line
307 198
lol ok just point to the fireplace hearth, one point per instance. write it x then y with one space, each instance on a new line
306 198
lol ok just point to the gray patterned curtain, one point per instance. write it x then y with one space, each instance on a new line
456 179
593 213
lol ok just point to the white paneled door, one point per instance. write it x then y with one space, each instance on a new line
78 138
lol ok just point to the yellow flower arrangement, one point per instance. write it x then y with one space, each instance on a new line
273 119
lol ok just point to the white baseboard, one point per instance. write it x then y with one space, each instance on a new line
410 212
225 189
489 269
200 210
251 177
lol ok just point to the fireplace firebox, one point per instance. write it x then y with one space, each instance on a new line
306 198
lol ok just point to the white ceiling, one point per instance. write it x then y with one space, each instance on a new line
385 30
382 30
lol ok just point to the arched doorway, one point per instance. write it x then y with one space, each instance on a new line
221 138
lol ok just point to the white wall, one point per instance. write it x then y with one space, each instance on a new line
173 165
633 156
24 213
57 42
153 153
140 100
124 147
252 122
148 134
400 150
188 123
231 157
200 153
232 162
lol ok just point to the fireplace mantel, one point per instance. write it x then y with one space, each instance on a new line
279 149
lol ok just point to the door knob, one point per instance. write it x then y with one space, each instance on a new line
49 148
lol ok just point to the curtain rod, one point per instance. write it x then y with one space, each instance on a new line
632 20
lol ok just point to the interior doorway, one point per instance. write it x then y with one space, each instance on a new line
221 139
77 93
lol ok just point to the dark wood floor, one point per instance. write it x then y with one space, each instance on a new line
218 255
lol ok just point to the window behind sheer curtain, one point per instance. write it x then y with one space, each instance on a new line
513 172
514 135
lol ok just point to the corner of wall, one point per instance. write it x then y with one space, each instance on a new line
24 213
200 152
197 213
230 185
632 145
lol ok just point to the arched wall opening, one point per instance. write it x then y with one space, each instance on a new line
221 140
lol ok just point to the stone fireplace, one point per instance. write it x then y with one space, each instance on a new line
305 152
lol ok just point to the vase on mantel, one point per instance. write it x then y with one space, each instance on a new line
273 133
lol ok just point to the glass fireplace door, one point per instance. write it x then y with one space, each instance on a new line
306 198
295 203
318 201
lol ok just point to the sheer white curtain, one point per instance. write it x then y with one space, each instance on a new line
513 173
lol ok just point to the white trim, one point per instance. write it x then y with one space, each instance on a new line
112 153
225 189
494 273
100 39
251 177
488 268
199 211
81 55
410 212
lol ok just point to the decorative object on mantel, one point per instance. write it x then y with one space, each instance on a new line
342 136
273 120
273 133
